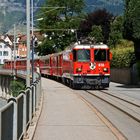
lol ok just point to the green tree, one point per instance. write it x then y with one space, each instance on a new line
96 33
16 87
58 23
99 17
116 31
132 24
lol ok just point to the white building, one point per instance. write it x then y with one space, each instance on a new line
5 52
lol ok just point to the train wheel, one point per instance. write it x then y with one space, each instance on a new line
63 80
74 86
71 84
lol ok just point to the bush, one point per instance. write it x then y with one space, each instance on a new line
138 68
123 55
16 87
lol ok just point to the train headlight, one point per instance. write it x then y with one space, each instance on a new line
78 69
105 69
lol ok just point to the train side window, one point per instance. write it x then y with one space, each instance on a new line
74 55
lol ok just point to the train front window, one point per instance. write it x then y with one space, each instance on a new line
83 55
100 55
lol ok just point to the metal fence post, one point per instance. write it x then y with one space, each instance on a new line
36 102
14 118
33 99
24 112
0 126
30 103
20 102
15 121
40 89
37 93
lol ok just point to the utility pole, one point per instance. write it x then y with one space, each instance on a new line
14 51
28 42
32 10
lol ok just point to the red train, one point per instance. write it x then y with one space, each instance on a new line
83 65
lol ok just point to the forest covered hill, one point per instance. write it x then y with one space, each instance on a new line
13 11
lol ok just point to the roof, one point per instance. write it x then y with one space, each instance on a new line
96 46
3 41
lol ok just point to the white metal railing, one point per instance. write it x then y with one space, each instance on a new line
17 114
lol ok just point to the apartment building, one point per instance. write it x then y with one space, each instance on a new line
5 51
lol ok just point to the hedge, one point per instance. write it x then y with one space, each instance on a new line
138 67
123 57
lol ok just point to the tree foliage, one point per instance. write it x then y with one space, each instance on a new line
72 7
16 86
60 23
99 17
116 30
96 33
132 24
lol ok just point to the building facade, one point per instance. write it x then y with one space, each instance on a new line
5 52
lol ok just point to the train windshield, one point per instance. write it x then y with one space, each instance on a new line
82 55
101 55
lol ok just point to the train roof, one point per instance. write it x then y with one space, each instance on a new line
88 46
44 57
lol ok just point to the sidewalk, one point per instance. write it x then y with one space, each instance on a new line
66 117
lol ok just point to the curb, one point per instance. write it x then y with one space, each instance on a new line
33 125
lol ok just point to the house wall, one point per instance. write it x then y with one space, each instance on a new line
5 52
22 51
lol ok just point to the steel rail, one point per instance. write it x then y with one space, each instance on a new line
121 98
117 107
119 135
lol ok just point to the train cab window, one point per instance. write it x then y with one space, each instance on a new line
83 55
100 55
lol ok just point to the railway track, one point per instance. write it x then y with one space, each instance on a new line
132 109
123 112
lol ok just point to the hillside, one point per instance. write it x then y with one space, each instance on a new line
114 6
13 11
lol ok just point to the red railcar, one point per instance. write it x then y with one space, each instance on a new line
80 66
45 64
87 65
19 64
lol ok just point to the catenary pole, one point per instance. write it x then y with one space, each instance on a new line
28 42
14 51
32 10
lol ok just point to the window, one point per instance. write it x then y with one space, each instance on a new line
100 55
5 46
74 55
83 55
0 46
0 53
5 53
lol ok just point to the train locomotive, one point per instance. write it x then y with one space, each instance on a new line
79 66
